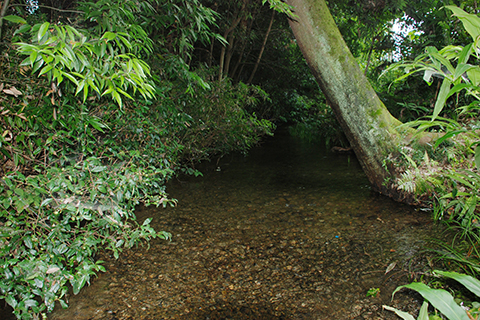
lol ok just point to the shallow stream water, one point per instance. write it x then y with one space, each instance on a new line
290 231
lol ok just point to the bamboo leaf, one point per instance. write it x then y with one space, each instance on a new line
109 36
438 60
458 87
15 19
33 57
124 93
70 77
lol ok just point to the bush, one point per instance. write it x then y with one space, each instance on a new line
80 148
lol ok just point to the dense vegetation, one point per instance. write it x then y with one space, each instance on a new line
102 103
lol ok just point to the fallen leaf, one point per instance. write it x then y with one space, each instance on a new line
13 92
390 267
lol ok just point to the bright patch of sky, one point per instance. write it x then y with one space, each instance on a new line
32 6
404 28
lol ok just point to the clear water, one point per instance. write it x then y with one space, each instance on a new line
291 231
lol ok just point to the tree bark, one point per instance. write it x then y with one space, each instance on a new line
222 53
236 21
243 40
370 128
262 49
228 57
3 11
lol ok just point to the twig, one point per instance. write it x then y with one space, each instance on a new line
48 7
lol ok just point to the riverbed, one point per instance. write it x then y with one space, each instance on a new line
289 231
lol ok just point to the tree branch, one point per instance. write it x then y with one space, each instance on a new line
2 14
48 7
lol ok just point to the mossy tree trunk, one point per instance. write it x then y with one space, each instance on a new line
370 128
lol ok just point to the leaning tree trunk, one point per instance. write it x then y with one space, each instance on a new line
370 128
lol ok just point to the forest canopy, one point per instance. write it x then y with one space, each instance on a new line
102 102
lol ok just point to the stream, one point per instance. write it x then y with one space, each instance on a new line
290 231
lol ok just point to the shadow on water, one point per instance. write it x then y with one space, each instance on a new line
290 231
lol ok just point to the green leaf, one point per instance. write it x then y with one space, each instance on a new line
474 76
45 69
446 136
11 300
78 283
98 169
458 87
461 69
469 282
70 77
477 157
33 57
423 314
117 98
30 303
438 60
470 22
109 36
97 124
23 28
15 19
28 242
37 65
42 31
63 304
68 52
124 93
465 54
440 299
442 98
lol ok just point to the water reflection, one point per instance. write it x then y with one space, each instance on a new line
290 231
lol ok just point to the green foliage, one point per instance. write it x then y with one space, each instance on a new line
455 180
314 121
53 223
77 157
78 190
217 121
373 292
103 65
458 76
442 300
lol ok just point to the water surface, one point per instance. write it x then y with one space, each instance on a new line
291 231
